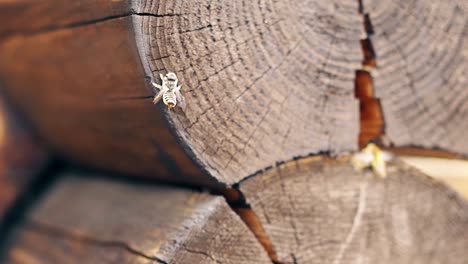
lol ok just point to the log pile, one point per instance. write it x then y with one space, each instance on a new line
256 168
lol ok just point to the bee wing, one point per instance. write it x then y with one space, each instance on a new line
156 87
387 156
181 100
361 160
158 96
379 167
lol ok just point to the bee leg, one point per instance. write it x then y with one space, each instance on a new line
158 97
156 85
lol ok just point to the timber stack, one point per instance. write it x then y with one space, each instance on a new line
256 168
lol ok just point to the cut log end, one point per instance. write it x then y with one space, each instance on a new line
321 211
273 83
420 79
270 83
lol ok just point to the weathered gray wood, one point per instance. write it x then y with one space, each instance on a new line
317 210
85 220
421 71
264 81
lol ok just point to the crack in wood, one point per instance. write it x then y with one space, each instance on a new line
279 163
51 28
236 200
194 29
193 251
141 97
43 228
372 123
238 203
294 259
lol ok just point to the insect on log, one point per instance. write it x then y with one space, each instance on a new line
264 82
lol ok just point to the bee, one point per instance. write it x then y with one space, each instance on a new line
373 157
169 91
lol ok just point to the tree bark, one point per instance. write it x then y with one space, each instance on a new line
88 220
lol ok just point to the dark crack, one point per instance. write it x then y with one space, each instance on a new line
125 98
279 163
294 259
193 251
372 123
54 27
58 232
195 29
239 204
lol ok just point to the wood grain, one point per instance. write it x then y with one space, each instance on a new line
79 86
86 220
269 85
22 156
317 210
24 17
264 81
35 247
421 73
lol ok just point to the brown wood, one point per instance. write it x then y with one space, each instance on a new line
263 82
371 117
36 247
317 210
77 85
372 125
25 17
21 157
421 73
86 220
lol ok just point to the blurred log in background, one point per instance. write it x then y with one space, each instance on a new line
22 157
